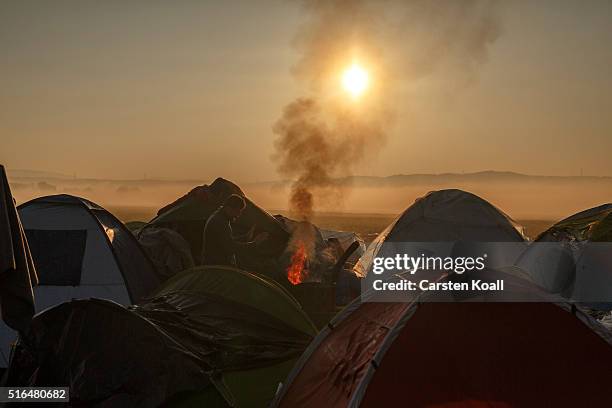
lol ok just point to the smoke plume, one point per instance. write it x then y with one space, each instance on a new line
323 136
313 152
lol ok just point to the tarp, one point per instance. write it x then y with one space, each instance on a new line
17 272
207 327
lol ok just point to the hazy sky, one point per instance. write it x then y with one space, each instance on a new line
191 89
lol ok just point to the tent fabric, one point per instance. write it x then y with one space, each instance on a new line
138 271
448 216
451 215
217 327
454 354
248 288
573 258
167 249
193 205
594 224
606 321
17 271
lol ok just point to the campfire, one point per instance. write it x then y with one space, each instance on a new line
296 272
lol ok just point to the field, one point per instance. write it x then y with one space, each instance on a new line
366 225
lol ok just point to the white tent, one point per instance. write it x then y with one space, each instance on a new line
447 217
80 250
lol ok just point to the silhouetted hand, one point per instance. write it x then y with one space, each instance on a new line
250 232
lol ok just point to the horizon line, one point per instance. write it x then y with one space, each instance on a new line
51 175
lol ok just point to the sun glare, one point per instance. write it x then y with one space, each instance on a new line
355 80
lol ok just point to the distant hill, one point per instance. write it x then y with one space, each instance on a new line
35 174
482 176
489 176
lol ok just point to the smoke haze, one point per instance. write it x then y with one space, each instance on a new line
326 135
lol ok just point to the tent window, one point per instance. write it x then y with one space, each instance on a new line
58 255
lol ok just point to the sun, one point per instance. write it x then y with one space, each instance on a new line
355 80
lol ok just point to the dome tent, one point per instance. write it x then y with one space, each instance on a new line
424 353
269 329
80 250
573 258
475 351
450 216
213 336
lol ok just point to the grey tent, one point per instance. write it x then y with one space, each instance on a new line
450 216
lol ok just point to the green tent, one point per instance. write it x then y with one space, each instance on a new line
573 258
216 336
249 387
594 224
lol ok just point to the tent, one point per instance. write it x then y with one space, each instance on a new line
449 217
574 258
17 271
167 249
446 354
268 328
188 215
214 336
80 250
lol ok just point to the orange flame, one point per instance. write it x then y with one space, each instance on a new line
295 271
